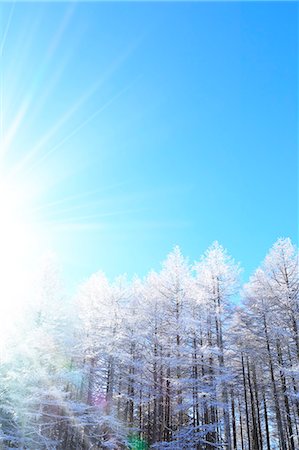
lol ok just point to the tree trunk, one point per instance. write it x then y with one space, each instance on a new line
275 392
246 404
285 396
266 422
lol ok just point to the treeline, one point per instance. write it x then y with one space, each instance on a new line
175 361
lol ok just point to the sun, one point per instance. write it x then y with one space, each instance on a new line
44 190
19 241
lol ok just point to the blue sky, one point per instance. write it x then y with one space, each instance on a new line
157 124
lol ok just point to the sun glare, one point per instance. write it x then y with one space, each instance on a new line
38 154
18 245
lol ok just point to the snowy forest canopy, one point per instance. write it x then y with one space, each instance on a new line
168 362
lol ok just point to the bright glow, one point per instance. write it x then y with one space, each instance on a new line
43 142
19 241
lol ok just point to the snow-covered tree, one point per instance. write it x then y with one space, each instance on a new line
174 361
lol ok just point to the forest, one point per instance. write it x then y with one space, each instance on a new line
186 358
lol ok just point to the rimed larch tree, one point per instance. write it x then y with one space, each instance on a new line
183 359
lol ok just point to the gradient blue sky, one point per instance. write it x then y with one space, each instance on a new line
180 128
